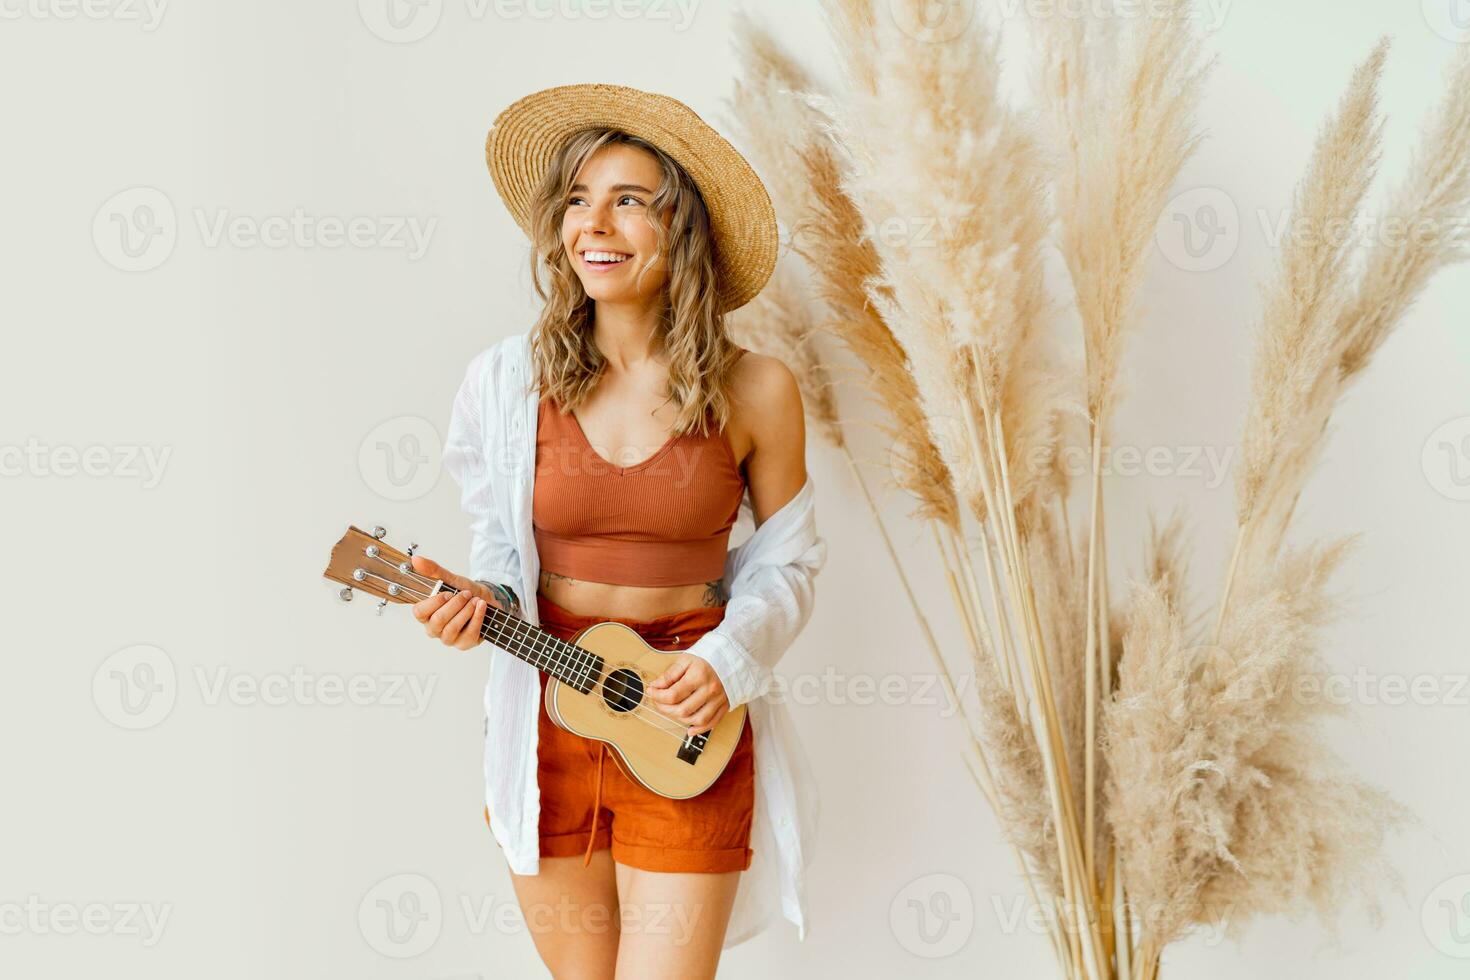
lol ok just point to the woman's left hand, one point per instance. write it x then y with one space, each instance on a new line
691 693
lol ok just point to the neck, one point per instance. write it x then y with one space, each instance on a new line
624 333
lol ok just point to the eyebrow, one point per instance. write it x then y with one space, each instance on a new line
617 187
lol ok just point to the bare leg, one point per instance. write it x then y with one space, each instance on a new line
572 914
673 925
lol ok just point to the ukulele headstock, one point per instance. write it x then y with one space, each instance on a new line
362 561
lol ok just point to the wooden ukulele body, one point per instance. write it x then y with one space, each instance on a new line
651 749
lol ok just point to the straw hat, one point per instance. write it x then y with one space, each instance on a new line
527 135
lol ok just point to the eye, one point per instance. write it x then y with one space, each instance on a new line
575 198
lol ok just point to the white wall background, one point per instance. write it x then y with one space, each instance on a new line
261 828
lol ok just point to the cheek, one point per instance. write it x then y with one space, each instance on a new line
640 234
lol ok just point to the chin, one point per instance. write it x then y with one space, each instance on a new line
605 295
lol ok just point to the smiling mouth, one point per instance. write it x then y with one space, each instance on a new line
602 259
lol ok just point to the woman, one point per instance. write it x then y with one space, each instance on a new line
649 428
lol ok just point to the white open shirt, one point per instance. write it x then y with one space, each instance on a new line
490 450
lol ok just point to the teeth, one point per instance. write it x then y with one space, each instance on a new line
603 256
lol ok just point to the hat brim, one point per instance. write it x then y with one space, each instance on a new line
526 136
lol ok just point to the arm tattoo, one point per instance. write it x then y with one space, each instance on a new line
505 596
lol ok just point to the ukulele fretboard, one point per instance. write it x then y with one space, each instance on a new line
578 668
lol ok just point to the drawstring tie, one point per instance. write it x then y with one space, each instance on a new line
596 803
597 795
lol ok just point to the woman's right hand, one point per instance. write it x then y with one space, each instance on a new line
454 620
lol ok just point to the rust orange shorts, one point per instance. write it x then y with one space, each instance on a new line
709 832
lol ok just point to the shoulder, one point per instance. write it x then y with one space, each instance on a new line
767 400
766 388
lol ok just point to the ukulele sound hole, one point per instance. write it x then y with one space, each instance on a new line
623 690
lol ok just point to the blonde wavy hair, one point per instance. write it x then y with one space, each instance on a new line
690 333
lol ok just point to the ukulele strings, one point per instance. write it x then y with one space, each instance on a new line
619 689
561 658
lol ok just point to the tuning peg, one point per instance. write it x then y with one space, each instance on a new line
381 604
379 532
412 548
346 594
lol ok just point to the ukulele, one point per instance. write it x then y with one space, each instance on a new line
596 680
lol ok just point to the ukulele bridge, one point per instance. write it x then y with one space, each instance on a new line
692 747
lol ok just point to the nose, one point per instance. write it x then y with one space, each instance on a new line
596 221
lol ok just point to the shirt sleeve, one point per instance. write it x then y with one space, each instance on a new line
771 597
467 451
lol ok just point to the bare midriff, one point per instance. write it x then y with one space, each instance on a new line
628 601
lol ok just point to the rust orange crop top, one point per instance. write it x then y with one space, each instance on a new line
663 521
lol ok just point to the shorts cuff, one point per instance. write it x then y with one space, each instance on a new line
575 843
672 859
